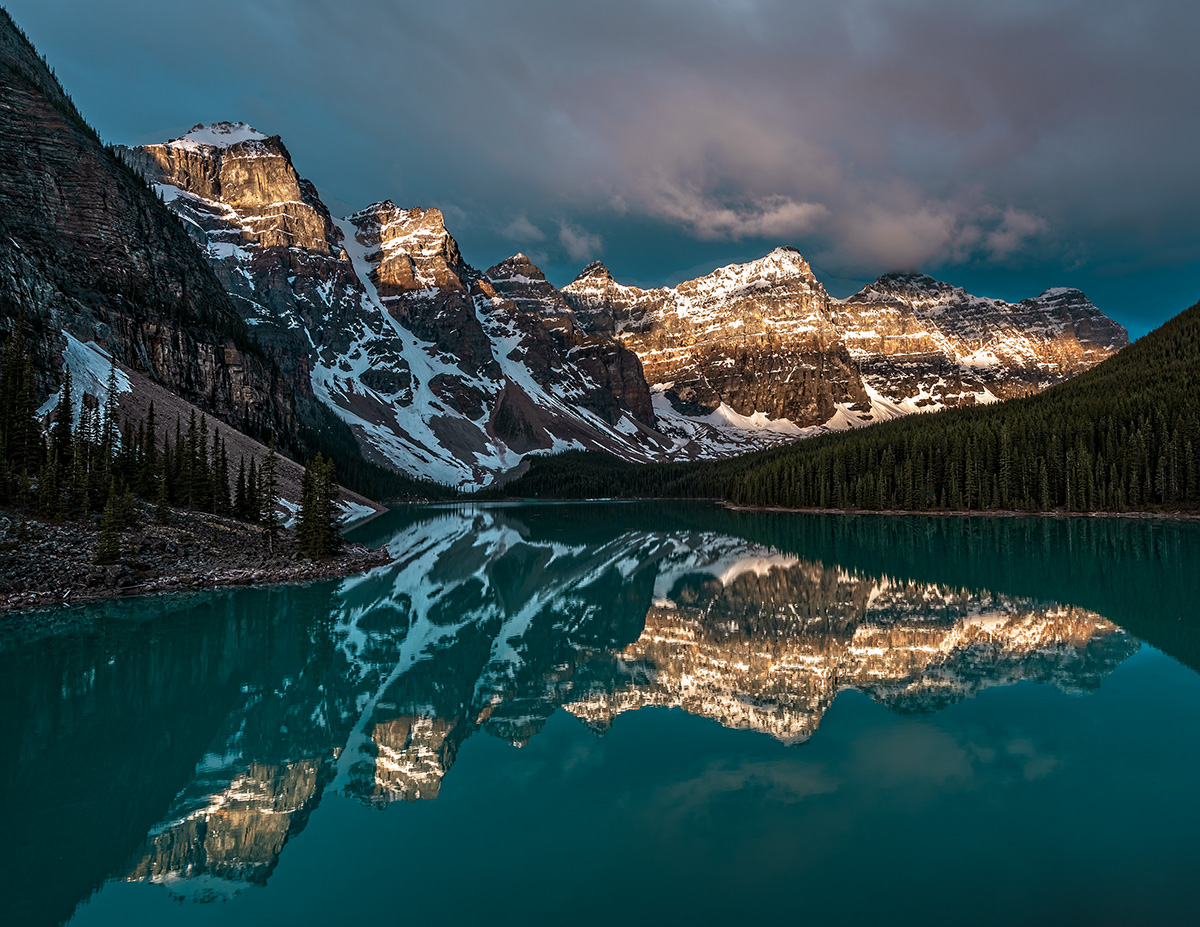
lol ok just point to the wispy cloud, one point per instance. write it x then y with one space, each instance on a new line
579 244
520 229
707 218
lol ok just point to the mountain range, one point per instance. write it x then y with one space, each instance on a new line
246 297
454 374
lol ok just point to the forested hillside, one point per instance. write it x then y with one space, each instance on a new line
1124 436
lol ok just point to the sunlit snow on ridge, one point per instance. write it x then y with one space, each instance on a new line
216 135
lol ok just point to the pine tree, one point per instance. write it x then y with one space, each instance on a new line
125 460
23 448
254 504
61 436
108 420
127 508
203 471
269 490
77 480
49 492
109 548
148 457
331 520
220 475
178 465
241 508
192 474
88 451
308 534
317 533
166 478
162 503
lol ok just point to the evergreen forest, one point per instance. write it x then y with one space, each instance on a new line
88 464
1123 436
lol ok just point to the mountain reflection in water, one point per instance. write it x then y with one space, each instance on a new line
478 627
252 704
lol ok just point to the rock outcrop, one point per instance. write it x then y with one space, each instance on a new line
613 377
755 338
763 345
441 372
86 248
928 344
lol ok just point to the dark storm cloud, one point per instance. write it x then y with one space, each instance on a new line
1013 144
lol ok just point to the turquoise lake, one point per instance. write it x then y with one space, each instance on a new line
643 713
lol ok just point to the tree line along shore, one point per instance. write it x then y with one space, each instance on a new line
1122 437
91 483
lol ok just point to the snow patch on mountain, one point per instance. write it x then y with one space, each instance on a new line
216 135
90 365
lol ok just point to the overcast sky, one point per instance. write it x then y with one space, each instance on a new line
1002 146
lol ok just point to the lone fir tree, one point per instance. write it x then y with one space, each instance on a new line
318 534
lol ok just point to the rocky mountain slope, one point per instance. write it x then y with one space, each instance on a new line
923 343
442 371
86 248
763 346
455 375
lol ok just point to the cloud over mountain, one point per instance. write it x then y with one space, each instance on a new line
873 134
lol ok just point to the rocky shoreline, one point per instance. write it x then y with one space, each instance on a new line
45 564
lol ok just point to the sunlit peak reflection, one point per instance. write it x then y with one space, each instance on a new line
483 624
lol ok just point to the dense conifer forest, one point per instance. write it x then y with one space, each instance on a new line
42 464
88 464
1124 436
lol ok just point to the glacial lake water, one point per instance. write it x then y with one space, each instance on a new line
628 713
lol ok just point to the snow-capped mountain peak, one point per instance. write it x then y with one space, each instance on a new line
596 270
451 374
217 135
412 247
517 268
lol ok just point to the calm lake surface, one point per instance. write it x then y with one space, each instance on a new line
628 713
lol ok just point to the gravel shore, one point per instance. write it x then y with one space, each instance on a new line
45 564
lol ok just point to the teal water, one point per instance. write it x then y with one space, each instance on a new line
628 713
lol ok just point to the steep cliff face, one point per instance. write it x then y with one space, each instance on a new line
763 348
87 248
265 232
752 338
251 174
612 379
421 280
437 370
928 344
